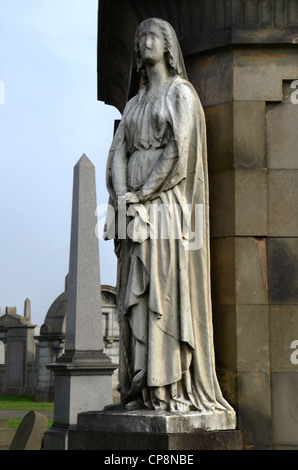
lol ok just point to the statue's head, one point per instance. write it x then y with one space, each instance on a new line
172 52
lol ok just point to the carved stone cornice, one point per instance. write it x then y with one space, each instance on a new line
201 25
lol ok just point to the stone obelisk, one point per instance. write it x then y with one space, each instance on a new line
83 374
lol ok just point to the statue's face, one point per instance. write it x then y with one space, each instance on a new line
151 44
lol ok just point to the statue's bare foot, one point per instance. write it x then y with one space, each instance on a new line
115 406
134 405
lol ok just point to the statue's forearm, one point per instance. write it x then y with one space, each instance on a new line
161 173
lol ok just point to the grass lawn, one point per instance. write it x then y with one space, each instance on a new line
13 423
23 404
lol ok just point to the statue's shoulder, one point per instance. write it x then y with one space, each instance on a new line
134 100
182 89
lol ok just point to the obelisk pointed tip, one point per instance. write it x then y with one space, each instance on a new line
84 161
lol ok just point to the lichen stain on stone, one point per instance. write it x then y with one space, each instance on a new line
262 250
205 62
283 273
265 56
214 111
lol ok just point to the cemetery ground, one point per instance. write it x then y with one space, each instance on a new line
16 407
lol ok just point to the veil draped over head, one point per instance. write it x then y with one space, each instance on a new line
173 49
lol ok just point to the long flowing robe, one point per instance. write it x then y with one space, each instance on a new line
163 286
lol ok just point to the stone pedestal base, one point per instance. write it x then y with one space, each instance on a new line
98 440
151 430
82 384
56 438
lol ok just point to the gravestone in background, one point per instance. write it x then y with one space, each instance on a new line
18 335
30 432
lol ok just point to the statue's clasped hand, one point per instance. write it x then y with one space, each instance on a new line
126 199
132 198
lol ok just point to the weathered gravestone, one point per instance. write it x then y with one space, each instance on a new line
6 434
30 433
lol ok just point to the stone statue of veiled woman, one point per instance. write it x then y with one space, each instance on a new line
158 159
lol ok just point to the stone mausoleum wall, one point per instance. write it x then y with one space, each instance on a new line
253 195
242 58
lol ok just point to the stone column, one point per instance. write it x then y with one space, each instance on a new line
45 355
83 374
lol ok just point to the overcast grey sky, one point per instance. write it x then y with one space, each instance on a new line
49 117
